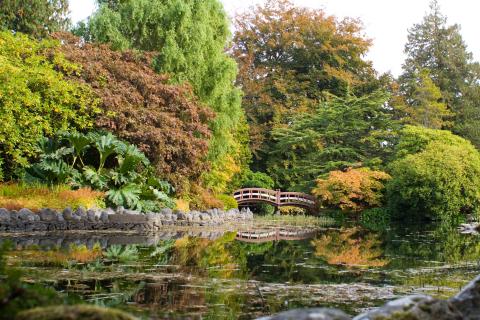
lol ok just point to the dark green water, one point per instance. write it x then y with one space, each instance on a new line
214 276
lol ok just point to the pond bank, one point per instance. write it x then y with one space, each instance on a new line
120 219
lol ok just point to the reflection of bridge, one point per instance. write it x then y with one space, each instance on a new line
275 198
258 236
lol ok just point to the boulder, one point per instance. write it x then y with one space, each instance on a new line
166 211
120 210
181 215
309 314
48 215
127 218
104 216
4 215
68 214
81 212
92 215
468 300
26 215
417 307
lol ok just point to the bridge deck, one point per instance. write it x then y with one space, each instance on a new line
276 198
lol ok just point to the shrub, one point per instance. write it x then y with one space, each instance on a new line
257 180
203 199
36 100
165 121
229 202
442 181
352 190
104 163
18 196
375 219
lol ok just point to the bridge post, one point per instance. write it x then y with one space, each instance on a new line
278 194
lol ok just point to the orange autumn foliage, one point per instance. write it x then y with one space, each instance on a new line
352 190
351 248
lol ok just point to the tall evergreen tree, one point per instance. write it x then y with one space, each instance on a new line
34 17
190 37
435 46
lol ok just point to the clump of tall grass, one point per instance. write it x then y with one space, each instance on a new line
15 196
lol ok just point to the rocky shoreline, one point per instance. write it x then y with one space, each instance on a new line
464 306
120 219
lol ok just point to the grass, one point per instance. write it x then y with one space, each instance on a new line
297 220
15 196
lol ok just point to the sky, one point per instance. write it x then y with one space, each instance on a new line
386 22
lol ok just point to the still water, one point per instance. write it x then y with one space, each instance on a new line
212 274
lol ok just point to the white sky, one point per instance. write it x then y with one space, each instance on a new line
385 21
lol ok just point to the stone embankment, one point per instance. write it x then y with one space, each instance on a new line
121 219
464 306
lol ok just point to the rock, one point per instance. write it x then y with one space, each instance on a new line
309 314
127 218
26 215
81 212
48 215
418 307
205 217
91 215
127 211
4 215
468 300
166 211
104 216
68 214
181 215
120 210
60 217
78 312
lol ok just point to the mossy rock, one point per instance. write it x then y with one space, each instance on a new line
77 312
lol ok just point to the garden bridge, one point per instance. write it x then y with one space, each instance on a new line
277 198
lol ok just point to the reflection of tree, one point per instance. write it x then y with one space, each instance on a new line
351 247
220 258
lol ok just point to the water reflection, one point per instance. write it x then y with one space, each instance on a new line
183 275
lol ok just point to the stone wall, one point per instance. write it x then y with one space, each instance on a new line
120 219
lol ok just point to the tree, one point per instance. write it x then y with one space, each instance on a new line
290 59
426 106
190 38
35 17
434 177
35 99
342 133
352 190
165 121
439 48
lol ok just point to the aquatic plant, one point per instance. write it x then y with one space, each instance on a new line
122 253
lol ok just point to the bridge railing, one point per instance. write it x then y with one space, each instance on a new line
277 198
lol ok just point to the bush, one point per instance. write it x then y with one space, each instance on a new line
375 219
440 182
104 163
257 180
36 197
36 100
352 190
229 202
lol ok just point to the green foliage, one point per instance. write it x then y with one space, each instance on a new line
440 181
426 106
122 253
35 17
375 219
104 163
229 202
257 180
190 38
16 295
437 47
35 99
344 132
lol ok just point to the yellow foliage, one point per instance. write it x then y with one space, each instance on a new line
350 248
352 190
16 196
182 205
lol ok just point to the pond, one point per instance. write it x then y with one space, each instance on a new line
212 274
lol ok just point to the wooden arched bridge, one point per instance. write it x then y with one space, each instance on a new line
248 196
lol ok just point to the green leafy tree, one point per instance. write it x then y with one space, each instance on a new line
426 106
35 99
344 132
190 38
34 17
290 59
436 175
437 47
